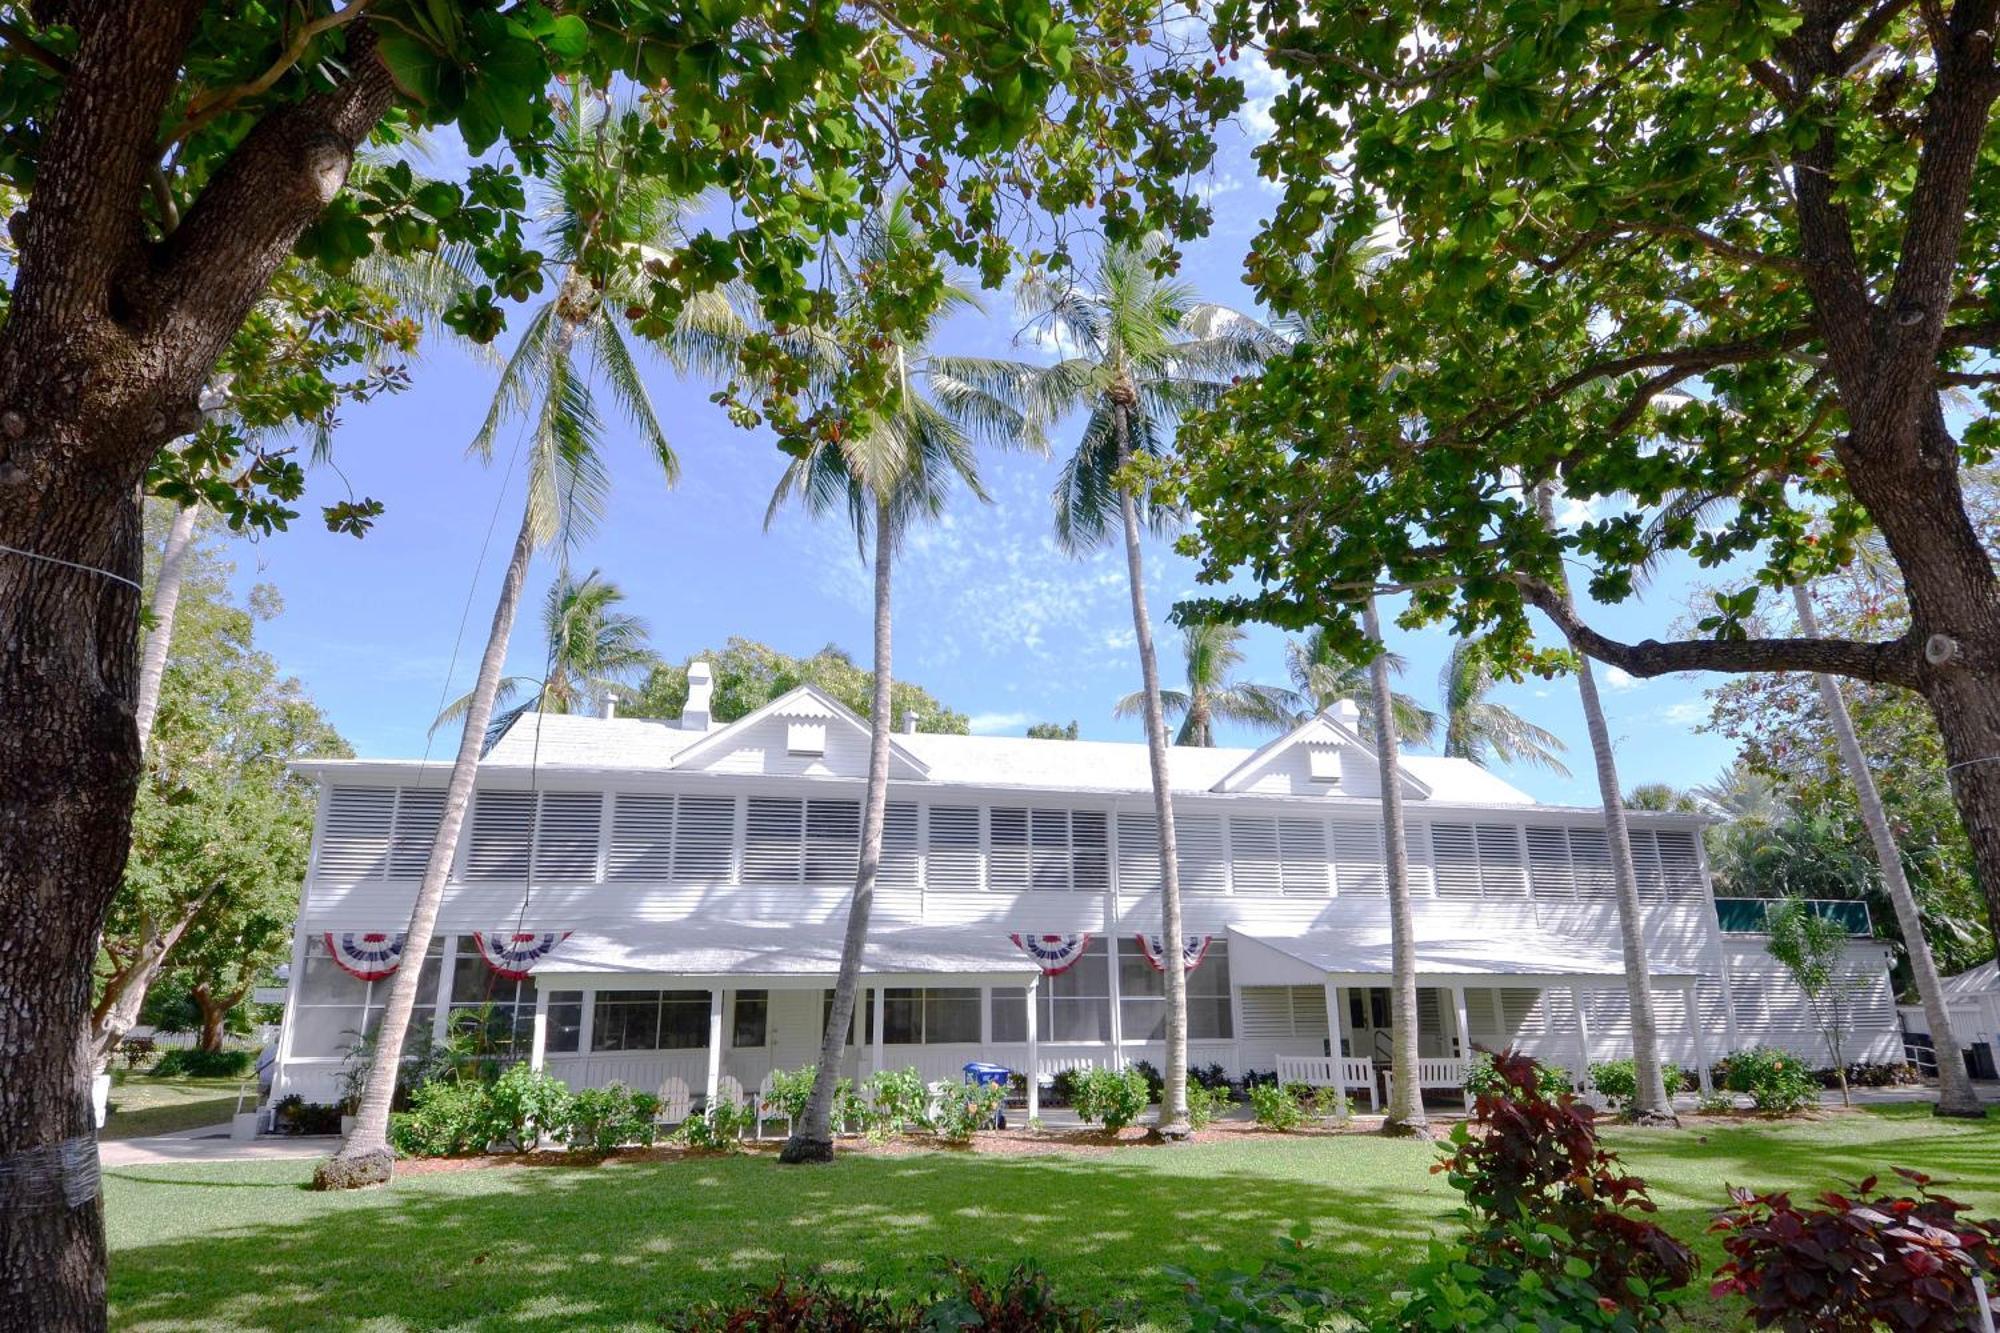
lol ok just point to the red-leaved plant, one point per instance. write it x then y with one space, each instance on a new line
1859 1261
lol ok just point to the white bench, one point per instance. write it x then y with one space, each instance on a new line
1432 1073
1329 1071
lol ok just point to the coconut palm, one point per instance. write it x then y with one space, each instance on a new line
885 481
1478 729
1211 652
1140 351
602 221
1321 678
1405 1112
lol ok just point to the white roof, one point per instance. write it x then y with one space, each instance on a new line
1366 952
567 741
1980 980
779 951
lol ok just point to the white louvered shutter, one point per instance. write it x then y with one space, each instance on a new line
833 842
1255 864
1198 841
1455 861
1501 872
1680 865
1090 851
1548 865
1049 850
642 839
1302 852
704 839
1646 865
1357 860
1138 853
899 846
1007 849
418 813
1590 861
502 830
951 863
354 837
774 841
566 838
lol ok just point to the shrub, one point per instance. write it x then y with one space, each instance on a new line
1062 1087
850 1113
296 1115
1291 1293
1325 1104
1113 1097
1211 1076
1776 1080
898 1099
1481 1080
1856 1262
1618 1080
1156 1082
1021 1301
1253 1077
1275 1107
1870 1074
604 1119
718 1129
136 1050
194 1063
963 1109
1718 1102
445 1119
526 1104
790 1093
1203 1103
1553 1234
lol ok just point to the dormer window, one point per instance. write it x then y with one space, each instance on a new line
806 740
1323 763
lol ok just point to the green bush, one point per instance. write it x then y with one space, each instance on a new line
1156 1082
604 1119
1618 1080
1203 1104
898 1100
193 1063
1777 1081
718 1129
524 1105
445 1119
1276 1107
963 1109
1112 1097
789 1093
850 1111
1719 1102
1482 1081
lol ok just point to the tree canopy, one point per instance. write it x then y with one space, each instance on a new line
749 675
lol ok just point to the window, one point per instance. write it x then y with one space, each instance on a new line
566 836
953 863
1357 860
1048 850
418 811
336 1009
929 1015
864 1006
1142 996
650 1020
751 1019
833 842
499 1010
1323 763
1073 1005
704 838
642 838
354 832
899 846
1375 1014
1282 1012
1138 852
805 739
774 841
565 1030
501 832
1198 845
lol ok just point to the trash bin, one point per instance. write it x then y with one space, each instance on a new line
982 1075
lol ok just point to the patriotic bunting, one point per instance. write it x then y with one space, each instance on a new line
1194 948
512 953
1056 953
368 956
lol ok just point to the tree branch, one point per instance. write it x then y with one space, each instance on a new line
1869 32
23 41
201 111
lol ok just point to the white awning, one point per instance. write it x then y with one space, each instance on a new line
776 954
1362 957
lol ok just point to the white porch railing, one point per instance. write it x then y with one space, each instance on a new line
1328 1071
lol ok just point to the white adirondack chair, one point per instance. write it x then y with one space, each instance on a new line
729 1092
765 1110
675 1101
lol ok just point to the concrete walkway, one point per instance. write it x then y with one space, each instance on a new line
211 1145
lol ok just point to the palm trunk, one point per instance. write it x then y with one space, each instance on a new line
812 1137
1406 1102
1173 1122
365 1159
1955 1093
166 601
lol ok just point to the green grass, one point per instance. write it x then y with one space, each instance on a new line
244 1246
142 1104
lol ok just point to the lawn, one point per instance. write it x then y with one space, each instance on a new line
142 1104
244 1246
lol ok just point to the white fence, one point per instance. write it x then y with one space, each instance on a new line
1328 1071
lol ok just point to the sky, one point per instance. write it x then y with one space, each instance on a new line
989 615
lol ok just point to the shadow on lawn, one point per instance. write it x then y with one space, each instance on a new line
581 1248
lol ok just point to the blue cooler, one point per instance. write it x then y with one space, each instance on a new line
982 1075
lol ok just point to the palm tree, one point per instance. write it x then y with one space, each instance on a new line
1212 651
1405 1112
1141 352
602 219
1321 678
1478 729
1747 797
885 481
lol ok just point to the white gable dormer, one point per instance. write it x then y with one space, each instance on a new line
801 733
1323 756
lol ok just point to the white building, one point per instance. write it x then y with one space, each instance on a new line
665 900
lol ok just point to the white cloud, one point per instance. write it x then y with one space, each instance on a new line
987 724
1685 713
1620 679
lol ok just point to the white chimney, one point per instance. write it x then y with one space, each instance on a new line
701 688
909 721
610 706
1347 713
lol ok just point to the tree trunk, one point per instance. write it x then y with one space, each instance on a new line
1956 1096
214 1013
1406 1099
1173 1123
125 992
365 1158
812 1137
166 600
1650 1102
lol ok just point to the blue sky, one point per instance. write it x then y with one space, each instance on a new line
990 616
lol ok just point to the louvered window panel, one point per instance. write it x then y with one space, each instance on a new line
418 812
502 830
1302 854
1455 857
1680 865
1357 860
704 839
1138 853
567 835
833 842
1548 865
1646 866
1255 865
1198 842
1049 855
1610 1012
1007 850
1590 862
1430 1022
774 841
899 846
1501 874
951 863
354 836
1276 1013
1090 851
1709 1008
1518 1007
642 840
1555 1012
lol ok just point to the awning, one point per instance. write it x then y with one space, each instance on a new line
777 954
1362 957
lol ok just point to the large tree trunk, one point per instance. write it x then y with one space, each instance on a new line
215 1012
365 1158
1406 1099
117 1011
812 1137
1173 1123
166 601
1956 1096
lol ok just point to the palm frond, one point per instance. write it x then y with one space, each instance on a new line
615 366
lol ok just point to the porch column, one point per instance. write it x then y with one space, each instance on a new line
1117 1007
714 1045
1582 1038
1034 1054
1694 1025
539 1046
1336 1022
1464 1022
879 1064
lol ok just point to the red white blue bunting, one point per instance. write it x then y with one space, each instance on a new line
368 955
1194 948
1056 953
512 953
